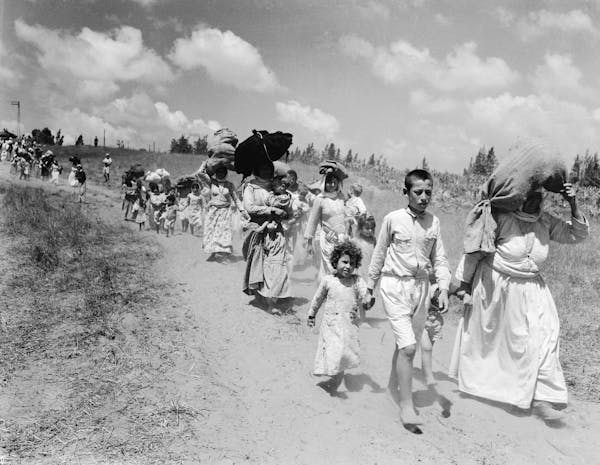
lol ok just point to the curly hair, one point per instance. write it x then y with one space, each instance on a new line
346 248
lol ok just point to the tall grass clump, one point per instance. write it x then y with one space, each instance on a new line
79 339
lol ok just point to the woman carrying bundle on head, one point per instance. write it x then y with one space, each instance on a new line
507 345
328 212
218 234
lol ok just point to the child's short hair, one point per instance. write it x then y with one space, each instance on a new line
357 189
419 174
346 248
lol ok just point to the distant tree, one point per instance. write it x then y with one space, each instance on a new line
349 158
181 145
424 164
371 161
591 170
201 146
338 154
79 140
491 161
330 151
59 138
43 137
575 175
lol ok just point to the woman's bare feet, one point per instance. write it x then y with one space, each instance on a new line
545 411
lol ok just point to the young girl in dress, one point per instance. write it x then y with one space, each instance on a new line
196 203
341 293
169 216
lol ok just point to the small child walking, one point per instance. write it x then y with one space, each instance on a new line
341 294
169 216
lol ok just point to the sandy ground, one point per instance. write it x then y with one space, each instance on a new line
249 373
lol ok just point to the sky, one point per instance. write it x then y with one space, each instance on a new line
406 79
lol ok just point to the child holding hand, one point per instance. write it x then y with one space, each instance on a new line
340 293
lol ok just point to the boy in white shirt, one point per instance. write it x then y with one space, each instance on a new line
408 248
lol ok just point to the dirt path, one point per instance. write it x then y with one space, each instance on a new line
249 373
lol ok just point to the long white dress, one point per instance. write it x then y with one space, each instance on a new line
507 345
338 348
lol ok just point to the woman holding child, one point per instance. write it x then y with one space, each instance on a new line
507 346
265 248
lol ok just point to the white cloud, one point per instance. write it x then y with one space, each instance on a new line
442 19
227 59
9 75
145 3
93 63
373 10
542 22
426 104
313 119
138 120
559 76
568 126
402 63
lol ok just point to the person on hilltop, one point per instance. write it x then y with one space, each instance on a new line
341 294
409 247
106 161
329 212
507 344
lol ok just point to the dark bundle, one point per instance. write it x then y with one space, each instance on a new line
184 185
75 160
261 147
134 173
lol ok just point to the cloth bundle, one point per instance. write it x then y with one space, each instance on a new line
260 148
332 166
157 175
221 147
530 167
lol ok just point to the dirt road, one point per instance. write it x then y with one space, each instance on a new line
249 374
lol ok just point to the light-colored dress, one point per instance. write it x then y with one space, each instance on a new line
330 214
507 345
195 209
218 237
338 348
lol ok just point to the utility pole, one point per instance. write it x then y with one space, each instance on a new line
17 103
154 146
104 138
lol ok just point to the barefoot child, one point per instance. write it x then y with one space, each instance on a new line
408 248
341 293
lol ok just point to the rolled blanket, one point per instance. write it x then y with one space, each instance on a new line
261 147
531 166
216 162
222 150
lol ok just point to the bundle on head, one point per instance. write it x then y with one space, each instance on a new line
333 167
531 166
184 185
75 160
260 148
222 145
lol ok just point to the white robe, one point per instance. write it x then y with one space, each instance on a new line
507 345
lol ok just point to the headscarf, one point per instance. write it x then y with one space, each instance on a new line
335 169
531 166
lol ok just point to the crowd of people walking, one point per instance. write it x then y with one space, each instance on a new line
507 345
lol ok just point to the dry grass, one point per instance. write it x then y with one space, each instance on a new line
86 343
